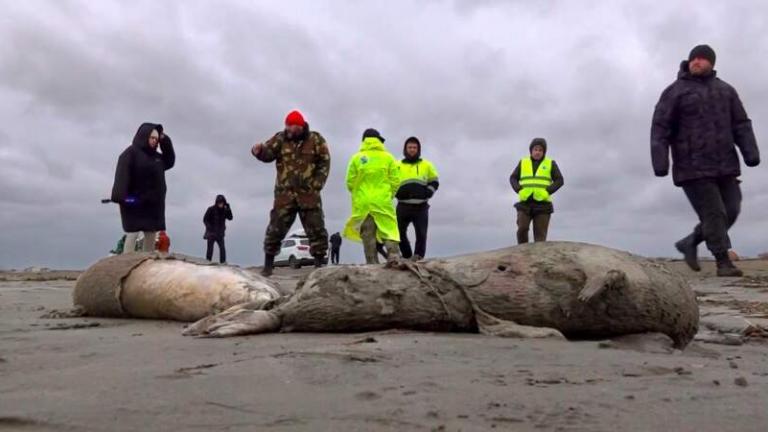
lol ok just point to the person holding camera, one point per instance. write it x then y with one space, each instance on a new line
139 186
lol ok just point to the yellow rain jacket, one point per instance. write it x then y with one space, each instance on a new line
373 176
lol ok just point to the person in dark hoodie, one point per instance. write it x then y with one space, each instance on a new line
418 183
215 221
139 186
303 163
701 119
335 247
535 179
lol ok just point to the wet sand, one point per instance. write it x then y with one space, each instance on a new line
136 375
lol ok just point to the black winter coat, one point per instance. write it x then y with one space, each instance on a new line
215 220
140 175
335 241
700 119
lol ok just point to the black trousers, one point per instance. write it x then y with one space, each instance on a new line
717 202
334 255
418 215
222 249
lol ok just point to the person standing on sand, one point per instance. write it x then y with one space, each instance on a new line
701 120
418 183
215 220
535 179
335 248
139 186
372 180
303 163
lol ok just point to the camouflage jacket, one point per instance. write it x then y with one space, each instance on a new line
302 168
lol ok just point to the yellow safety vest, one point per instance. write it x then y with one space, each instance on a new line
535 184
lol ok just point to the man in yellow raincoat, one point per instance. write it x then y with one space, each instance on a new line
373 179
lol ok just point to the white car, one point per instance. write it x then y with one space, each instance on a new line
294 251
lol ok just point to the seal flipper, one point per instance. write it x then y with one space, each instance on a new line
492 326
614 279
238 320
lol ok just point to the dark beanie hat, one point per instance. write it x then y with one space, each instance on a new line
372 133
702 51
538 142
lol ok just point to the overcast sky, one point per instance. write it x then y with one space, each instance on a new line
474 80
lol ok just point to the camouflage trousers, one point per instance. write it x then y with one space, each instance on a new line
280 221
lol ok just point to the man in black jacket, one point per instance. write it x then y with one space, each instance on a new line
418 183
699 118
535 179
335 247
215 221
139 185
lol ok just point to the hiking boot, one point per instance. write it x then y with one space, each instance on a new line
689 250
417 258
269 265
727 269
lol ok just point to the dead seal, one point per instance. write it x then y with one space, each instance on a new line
159 286
545 289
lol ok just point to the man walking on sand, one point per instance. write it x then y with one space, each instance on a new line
701 120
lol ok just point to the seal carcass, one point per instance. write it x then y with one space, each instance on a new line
159 286
544 289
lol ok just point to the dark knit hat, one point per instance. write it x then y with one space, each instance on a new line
702 51
372 133
538 142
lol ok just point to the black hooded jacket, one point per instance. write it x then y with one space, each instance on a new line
700 118
140 177
216 218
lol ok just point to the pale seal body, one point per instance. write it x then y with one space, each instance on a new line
175 287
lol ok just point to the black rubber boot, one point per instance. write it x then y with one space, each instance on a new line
725 267
688 248
269 265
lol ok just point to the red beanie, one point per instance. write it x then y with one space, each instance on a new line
295 118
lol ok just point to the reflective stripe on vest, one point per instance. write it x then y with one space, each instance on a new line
535 184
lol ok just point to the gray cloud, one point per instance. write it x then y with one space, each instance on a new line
474 80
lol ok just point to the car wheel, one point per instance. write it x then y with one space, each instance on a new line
294 263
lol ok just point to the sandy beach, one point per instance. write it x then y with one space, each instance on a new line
87 374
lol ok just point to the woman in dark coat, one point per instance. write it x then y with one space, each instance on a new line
139 186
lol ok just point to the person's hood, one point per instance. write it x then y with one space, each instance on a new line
141 139
372 143
540 142
220 198
415 159
685 73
